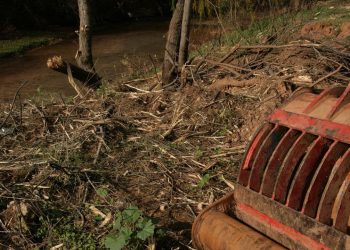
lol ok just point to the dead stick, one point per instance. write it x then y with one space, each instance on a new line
223 59
227 65
73 83
307 45
235 48
13 103
327 76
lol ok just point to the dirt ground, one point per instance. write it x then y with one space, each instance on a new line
168 151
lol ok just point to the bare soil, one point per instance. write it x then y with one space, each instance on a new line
322 30
318 30
344 31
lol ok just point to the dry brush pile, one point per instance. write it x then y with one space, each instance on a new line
171 153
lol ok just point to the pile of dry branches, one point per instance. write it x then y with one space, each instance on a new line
300 63
170 153
149 148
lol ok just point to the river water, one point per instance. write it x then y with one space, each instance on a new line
112 48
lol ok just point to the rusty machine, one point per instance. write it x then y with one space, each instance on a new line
293 189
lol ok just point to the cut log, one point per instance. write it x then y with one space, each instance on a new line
88 79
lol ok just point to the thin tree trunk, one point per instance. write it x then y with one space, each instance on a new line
172 45
297 4
84 54
185 33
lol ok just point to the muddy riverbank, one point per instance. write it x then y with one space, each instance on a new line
115 51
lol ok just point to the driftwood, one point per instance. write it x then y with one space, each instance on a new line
89 79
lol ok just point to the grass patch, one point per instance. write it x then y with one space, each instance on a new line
65 231
282 26
16 46
333 15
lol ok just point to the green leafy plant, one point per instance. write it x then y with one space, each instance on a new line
103 89
102 192
130 229
198 153
65 231
204 181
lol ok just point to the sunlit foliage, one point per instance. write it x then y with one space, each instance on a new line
207 8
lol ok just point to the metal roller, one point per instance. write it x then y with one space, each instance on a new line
294 183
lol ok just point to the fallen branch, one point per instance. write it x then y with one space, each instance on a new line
228 66
228 183
136 89
235 48
228 82
327 76
80 91
305 45
89 79
13 103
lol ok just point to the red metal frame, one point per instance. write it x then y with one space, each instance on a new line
272 169
318 183
281 228
259 137
339 172
319 127
337 91
291 162
340 221
294 182
266 150
342 100
303 163
304 173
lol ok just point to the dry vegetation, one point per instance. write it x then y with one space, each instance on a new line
169 152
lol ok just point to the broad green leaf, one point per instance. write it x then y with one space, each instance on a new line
147 230
117 222
126 233
98 218
131 214
115 243
160 233
102 192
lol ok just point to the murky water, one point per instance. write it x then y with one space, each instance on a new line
111 48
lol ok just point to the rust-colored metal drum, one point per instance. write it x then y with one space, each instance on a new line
214 229
294 182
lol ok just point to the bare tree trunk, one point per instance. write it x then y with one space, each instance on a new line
85 71
297 4
84 53
185 33
172 45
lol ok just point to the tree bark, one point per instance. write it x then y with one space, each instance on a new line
297 4
84 53
185 33
170 64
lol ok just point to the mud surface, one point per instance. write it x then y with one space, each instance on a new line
111 48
